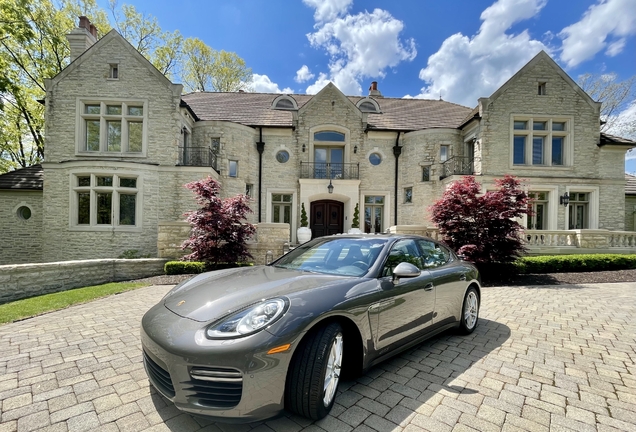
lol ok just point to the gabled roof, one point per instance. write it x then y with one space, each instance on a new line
542 55
113 35
630 184
30 178
254 109
607 139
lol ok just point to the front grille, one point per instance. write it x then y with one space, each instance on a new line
215 387
159 377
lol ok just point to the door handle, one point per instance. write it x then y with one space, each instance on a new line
462 277
429 287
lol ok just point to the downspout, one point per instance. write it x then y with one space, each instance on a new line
260 146
397 151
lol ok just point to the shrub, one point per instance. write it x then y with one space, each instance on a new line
183 267
355 223
483 228
303 216
575 263
219 228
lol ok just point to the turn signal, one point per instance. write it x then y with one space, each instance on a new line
279 349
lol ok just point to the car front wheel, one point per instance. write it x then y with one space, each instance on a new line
314 373
470 311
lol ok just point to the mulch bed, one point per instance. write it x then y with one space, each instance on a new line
488 280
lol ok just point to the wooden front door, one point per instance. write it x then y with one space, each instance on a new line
326 218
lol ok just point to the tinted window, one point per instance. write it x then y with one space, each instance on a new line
433 254
402 251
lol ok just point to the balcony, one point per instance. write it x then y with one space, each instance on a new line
197 156
325 170
457 165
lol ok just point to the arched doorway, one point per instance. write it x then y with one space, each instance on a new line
326 218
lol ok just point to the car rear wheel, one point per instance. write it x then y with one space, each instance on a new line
314 373
470 311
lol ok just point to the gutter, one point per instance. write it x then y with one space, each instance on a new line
397 151
260 146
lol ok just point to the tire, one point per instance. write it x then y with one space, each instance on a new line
314 373
470 312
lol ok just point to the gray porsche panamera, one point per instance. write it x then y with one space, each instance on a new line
244 344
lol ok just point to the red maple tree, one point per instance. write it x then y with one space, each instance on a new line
483 228
219 228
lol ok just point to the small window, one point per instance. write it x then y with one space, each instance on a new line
443 153
24 213
375 159
135 110
84 181
558 126
539 125
367 107
128 182
426 173
233 171
114 71
541 88
285 104
282 156
408 195
92 109
249 190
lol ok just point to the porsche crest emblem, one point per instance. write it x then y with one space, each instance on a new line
181 302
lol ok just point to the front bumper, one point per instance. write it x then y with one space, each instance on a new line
232 380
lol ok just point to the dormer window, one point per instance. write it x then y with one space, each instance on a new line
285 102
368 105
113 71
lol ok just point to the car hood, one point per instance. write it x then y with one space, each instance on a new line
213 295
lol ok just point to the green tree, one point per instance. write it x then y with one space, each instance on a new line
205 69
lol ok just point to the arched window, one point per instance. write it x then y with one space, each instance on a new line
329 136
368 105
284 102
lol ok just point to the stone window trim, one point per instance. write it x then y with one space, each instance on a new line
388 206
407 195
82 117
552 211
548 134
284 102
233 168
593 204
20 210
116 190
295 216
444 152
346 144
282 148
380 152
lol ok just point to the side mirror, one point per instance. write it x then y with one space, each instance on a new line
461 257
405 270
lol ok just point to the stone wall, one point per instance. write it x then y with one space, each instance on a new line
170 237
21 238
28 280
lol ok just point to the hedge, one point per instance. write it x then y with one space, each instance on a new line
194 267
574 263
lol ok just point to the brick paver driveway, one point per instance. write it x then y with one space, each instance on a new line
548 358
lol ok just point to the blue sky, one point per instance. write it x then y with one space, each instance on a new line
462 50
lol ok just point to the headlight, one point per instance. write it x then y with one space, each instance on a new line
248 321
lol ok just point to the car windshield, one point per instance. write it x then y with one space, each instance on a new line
339 256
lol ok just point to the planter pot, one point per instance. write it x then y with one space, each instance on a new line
354 231
303 235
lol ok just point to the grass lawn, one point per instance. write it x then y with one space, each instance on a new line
33 306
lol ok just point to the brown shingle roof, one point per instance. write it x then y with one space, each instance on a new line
30 178
630 184
253 109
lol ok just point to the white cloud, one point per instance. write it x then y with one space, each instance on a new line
328 10
320 83
262 84
359 46
603 26
303 74
466 68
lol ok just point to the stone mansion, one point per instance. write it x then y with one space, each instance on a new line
122 140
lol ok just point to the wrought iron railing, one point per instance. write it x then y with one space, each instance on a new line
457 165
326 170
197 156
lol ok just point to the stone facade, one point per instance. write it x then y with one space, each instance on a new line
408 173
21 237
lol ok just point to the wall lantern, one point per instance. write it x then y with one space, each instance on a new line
330 187
303 148
565 199
355 149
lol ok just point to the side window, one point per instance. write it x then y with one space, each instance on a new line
433 254
402 251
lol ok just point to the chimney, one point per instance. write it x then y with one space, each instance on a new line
373 90
82 38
